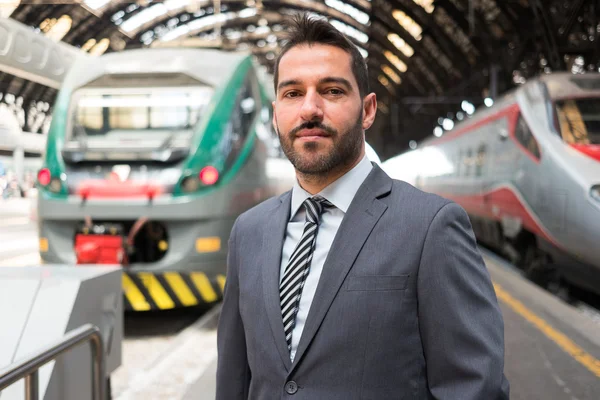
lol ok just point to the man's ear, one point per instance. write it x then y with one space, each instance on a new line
369 110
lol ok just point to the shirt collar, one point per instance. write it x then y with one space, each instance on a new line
339 193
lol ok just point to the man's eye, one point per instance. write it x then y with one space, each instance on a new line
336 91
291 94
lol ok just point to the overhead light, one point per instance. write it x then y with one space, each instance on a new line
427 5
467 107
88 45
56 29
412 144
401 45
448 124
399 64
390 72
385 82
438 131
408 24
100 47
488 102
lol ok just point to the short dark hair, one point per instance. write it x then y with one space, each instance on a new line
304 29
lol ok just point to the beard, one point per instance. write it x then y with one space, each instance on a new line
312 161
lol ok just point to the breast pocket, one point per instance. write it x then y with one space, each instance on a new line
376 282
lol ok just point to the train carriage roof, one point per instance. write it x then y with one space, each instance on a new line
176 66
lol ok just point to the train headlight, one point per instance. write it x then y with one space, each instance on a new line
207 176
55 185
595 192
190 184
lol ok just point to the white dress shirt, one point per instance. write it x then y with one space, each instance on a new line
339 193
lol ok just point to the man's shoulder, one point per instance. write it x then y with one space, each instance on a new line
256 216
407 195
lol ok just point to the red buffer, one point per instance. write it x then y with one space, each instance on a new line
99 249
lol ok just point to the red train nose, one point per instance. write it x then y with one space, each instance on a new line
590 150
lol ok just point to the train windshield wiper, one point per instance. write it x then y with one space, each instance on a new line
167 143
81 136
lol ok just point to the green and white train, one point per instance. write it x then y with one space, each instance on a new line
151 156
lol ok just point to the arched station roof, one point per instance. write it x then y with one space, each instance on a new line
425 57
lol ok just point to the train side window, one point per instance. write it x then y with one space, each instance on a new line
526 139
480 160
468 162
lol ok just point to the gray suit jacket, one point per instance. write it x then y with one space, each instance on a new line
404 308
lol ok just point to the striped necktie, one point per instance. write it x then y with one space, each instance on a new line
296 271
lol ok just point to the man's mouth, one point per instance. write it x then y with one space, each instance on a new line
312 133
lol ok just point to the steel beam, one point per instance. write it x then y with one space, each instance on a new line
32 56
548 32
440 100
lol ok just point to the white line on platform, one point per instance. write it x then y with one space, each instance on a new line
14 221
25 243
24 260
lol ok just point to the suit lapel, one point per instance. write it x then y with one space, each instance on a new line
362 215
272 245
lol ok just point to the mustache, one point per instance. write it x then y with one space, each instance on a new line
313 125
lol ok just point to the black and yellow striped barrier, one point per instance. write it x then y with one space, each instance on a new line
145 291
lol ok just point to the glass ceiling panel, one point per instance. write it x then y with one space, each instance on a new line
96 4
350 31
347 9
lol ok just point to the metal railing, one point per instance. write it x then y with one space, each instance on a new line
28 368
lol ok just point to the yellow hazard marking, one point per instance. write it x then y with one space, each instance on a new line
208 244
43 245
157 292
181 289
557 337
221 280
204 286
135 297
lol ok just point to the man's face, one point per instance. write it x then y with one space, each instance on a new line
319 114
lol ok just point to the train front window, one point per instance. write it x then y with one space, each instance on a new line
579 120
147 118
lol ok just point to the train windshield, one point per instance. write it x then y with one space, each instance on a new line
579 120
137 118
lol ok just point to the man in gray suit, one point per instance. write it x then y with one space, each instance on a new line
352 285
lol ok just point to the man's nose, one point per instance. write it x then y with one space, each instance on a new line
312 107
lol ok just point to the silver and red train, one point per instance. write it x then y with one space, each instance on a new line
527 171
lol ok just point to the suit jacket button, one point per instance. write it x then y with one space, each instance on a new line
291 387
